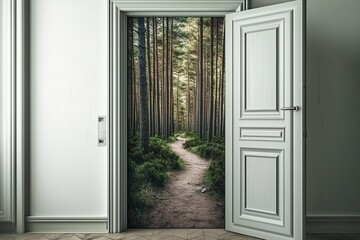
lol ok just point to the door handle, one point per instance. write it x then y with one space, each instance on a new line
295 108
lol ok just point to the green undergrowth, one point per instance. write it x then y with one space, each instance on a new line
147 174
214 151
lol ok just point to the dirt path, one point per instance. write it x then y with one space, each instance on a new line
182 204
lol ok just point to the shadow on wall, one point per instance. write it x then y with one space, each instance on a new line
333 108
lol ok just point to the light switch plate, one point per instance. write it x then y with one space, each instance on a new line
101 136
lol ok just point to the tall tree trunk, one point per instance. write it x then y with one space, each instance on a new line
171 90
156 77
194 109
135 86
177 105
166 89
201 80
130 56
216 109
205 92
163 87
211 106
150 89
222 84
144 114
197 85
188 92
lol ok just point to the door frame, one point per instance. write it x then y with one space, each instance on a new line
16 21
117 85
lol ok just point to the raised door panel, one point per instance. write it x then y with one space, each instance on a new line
262 64
260 189
261 78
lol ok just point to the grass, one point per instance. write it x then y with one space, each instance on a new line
214 151
147 174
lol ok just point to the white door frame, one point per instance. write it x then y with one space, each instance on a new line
118 12
16 63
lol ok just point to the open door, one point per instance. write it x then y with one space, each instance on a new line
264 122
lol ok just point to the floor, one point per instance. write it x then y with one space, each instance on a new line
163 234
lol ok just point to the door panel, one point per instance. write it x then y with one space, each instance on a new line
263 64
261 79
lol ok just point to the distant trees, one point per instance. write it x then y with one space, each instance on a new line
176 76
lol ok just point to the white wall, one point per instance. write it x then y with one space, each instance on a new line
333 107
68 82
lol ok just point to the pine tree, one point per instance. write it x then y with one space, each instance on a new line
144 114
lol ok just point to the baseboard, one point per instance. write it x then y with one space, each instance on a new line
7 227
66 224
333 224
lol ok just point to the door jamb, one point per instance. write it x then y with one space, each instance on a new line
117 85
18 73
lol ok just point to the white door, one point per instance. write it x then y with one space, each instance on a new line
264 126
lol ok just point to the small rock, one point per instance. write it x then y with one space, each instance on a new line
188 183
203 190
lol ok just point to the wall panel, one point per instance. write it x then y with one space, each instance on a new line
68 91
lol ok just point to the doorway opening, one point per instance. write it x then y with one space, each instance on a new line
176 122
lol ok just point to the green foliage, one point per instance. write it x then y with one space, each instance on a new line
215 152
147 172
215 175
155 172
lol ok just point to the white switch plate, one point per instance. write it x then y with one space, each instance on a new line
101 136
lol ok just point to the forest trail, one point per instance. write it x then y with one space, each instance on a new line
182 204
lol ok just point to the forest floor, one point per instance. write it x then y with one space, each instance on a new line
182 204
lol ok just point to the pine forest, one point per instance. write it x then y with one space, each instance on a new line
176 121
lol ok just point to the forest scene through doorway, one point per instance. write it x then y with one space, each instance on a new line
176 122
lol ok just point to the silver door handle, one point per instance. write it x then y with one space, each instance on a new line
295 108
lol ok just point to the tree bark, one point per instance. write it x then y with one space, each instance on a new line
150 89
163 87
156 77
211 106
201 76
216 109
144 114
222 85
188 92
130 56
171 77
177 105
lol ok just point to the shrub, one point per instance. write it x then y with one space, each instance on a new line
140 201
215 152
147 172
154 172
215 175
194 142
